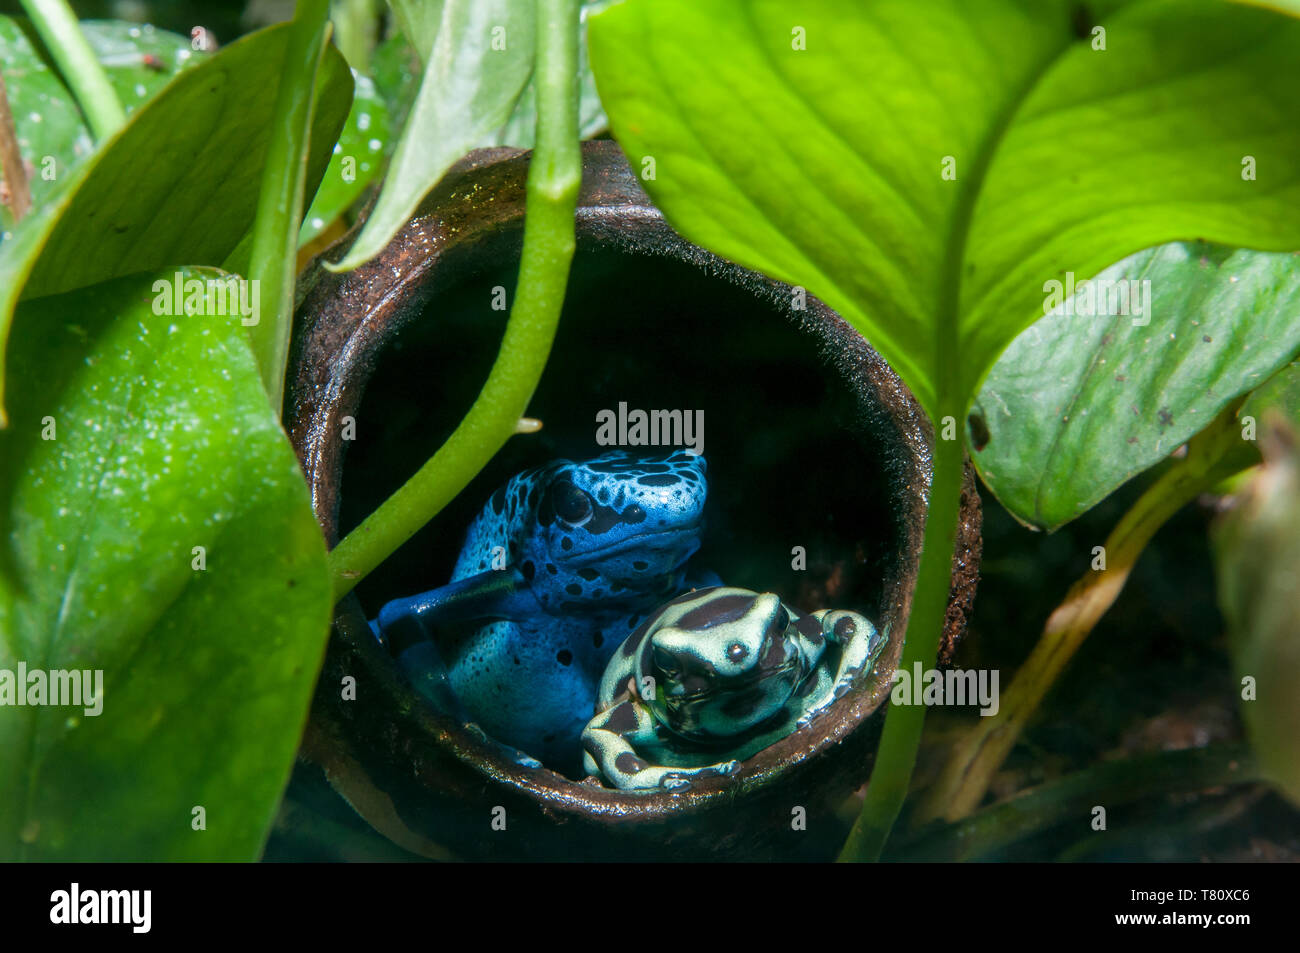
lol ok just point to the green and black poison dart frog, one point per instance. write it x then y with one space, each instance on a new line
560 564
714 676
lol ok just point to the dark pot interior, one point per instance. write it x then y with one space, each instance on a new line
811 442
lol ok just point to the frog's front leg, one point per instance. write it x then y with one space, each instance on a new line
496 594
860 643
610 742
406 627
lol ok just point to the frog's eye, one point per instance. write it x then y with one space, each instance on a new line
571 504
665 661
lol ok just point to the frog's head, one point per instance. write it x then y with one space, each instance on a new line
619 527
723 660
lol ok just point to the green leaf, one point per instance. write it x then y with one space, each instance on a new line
1257 550
520 128
137 437
356 160
825 166
1086 399
178 184
139 60
420 20
481 60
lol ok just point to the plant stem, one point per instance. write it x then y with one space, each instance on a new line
896 756
976 758
58 28
356 30
11 161
273 254
1110 783
553 180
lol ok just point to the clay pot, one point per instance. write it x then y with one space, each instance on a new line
814 446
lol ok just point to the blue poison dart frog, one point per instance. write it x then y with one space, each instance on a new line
562 562
714 676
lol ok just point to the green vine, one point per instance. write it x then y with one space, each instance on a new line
896 756
59 30
553 180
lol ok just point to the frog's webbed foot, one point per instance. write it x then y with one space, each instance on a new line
425 670
510 753
610 744
860 643
679 779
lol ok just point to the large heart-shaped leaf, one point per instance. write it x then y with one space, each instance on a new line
139 60
1085 399
156 527
178 184
926 168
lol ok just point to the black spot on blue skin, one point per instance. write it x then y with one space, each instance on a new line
597 640
597 593
545 511
499 500
550 567
640 565
603 519
566 544
528 569
516 659
573 589
564 657
634 514
482 565
588 574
